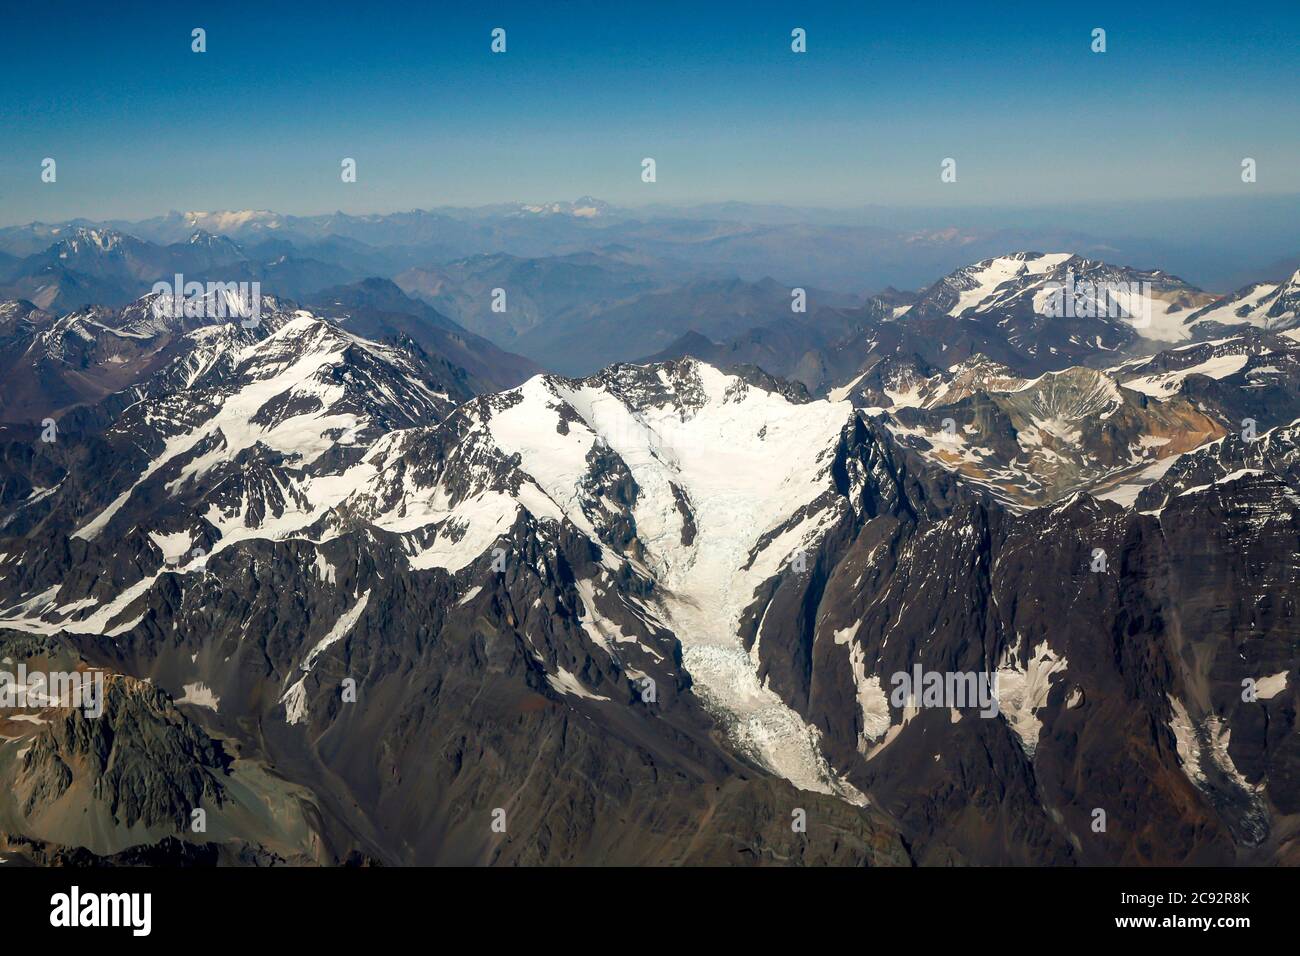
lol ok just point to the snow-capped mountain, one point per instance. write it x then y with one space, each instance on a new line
18 317
1111 432
697 483
102 266
109 268
630 560
244 434
910 383
624 521
990 284
584 207
105 254
228 222
1007 316
622 460
219 247
53 362
1247 383
1035 440
49 363
1028 312
1263 305
93 242
1108 306
1032 442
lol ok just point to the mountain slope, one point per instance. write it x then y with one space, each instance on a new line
1274 306
377 308
49 363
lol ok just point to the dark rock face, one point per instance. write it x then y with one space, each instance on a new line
142 758
1144 717
457 719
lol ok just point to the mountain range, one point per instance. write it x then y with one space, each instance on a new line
629 572
851 252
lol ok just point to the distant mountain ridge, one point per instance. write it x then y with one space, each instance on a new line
849 251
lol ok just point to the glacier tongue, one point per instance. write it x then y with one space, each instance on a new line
718 465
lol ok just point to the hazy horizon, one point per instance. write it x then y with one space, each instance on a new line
1215 242
855 208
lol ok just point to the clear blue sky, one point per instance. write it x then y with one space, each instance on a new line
139 124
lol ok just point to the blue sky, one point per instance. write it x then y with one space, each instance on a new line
139 124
